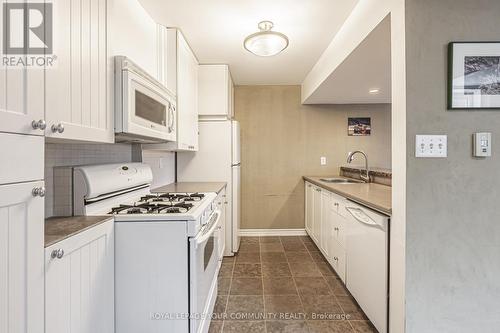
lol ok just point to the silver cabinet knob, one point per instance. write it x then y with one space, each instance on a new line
59 128
59 253
38 191
41 125
335 258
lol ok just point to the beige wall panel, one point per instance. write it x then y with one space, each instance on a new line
283 140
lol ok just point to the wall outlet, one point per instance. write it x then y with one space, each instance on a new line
322 160
431 146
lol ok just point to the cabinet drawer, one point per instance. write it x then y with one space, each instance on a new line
338 204
22 158
339 231
338 259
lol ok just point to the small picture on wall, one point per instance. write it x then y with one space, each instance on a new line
359 126
474 75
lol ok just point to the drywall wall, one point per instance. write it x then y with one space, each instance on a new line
452 223
283 140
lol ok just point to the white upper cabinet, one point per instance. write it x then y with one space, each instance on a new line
133 33
180 74
21 258
187 96
21 97
77 87
215 92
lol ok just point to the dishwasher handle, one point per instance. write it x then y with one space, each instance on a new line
362 217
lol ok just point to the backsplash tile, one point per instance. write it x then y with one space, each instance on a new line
57 154
65 154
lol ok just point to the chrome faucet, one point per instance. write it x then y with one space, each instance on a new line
350 157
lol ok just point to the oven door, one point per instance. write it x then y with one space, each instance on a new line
149 110
204 263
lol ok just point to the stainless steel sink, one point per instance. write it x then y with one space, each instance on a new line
341 180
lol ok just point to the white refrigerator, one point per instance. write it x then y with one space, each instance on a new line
217 160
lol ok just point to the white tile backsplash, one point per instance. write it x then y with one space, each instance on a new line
63 154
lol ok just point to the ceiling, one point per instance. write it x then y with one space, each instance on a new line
367 67
215 30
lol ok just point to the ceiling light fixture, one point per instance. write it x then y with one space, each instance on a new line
374 91
266 43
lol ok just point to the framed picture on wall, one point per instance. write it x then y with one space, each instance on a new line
474 75
359 126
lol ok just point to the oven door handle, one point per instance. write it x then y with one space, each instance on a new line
212 225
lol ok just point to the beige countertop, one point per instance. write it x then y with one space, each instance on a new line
215 187
59 228
375 196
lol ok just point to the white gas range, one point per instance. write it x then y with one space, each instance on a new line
166 248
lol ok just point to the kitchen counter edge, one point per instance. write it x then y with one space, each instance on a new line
59 228
372 204
183 187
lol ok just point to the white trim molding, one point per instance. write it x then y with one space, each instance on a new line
272 232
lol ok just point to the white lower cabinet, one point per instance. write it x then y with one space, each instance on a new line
325 222
316 221
21 258
79 282
309 217
337 259
221 202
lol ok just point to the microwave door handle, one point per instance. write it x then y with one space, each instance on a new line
206 235
170 118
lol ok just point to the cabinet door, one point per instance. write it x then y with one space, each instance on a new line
309 203
21 96
77 88
326 223
339 228
21 258
221 204
316 225
338 259
79 286
187 96
231 95
213 91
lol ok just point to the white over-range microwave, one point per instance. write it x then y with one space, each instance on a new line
145 110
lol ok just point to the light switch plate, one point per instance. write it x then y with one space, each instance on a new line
323 160
481 144
431 146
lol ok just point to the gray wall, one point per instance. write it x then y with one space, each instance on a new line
453 219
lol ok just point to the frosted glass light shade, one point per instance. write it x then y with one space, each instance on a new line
266 43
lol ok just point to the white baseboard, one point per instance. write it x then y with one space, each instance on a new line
272 232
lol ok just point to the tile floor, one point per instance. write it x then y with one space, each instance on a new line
283 284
